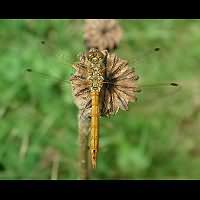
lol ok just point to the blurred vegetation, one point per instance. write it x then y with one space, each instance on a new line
156 139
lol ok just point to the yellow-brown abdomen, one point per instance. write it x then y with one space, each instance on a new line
94 135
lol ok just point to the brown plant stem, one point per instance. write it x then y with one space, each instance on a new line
55 167
24 146
84 125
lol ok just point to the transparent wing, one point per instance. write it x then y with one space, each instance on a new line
152 93
57 67
148 64
149 92
35 76
139 59
151 96
61 55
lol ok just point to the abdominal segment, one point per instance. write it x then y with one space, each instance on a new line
94 135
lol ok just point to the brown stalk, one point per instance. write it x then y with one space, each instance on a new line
84 125
55 167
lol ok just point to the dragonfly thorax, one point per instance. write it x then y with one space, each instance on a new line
96 77
95 69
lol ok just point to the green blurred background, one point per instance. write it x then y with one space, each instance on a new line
158 138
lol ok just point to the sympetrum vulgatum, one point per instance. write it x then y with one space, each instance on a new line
104 107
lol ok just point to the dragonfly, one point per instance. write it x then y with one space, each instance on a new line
101 88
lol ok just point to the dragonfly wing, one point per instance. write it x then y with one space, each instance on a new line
158 92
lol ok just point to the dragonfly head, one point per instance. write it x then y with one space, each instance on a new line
95 56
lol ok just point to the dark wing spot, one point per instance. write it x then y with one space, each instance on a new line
42 42
157 49
174 84
29 70
2 167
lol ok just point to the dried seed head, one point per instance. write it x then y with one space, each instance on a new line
118 90
102 34
121 87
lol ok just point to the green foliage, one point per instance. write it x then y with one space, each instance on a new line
157 139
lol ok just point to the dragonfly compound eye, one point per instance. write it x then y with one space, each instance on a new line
94 60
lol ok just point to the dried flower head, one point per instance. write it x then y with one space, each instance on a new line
102 34
118 90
